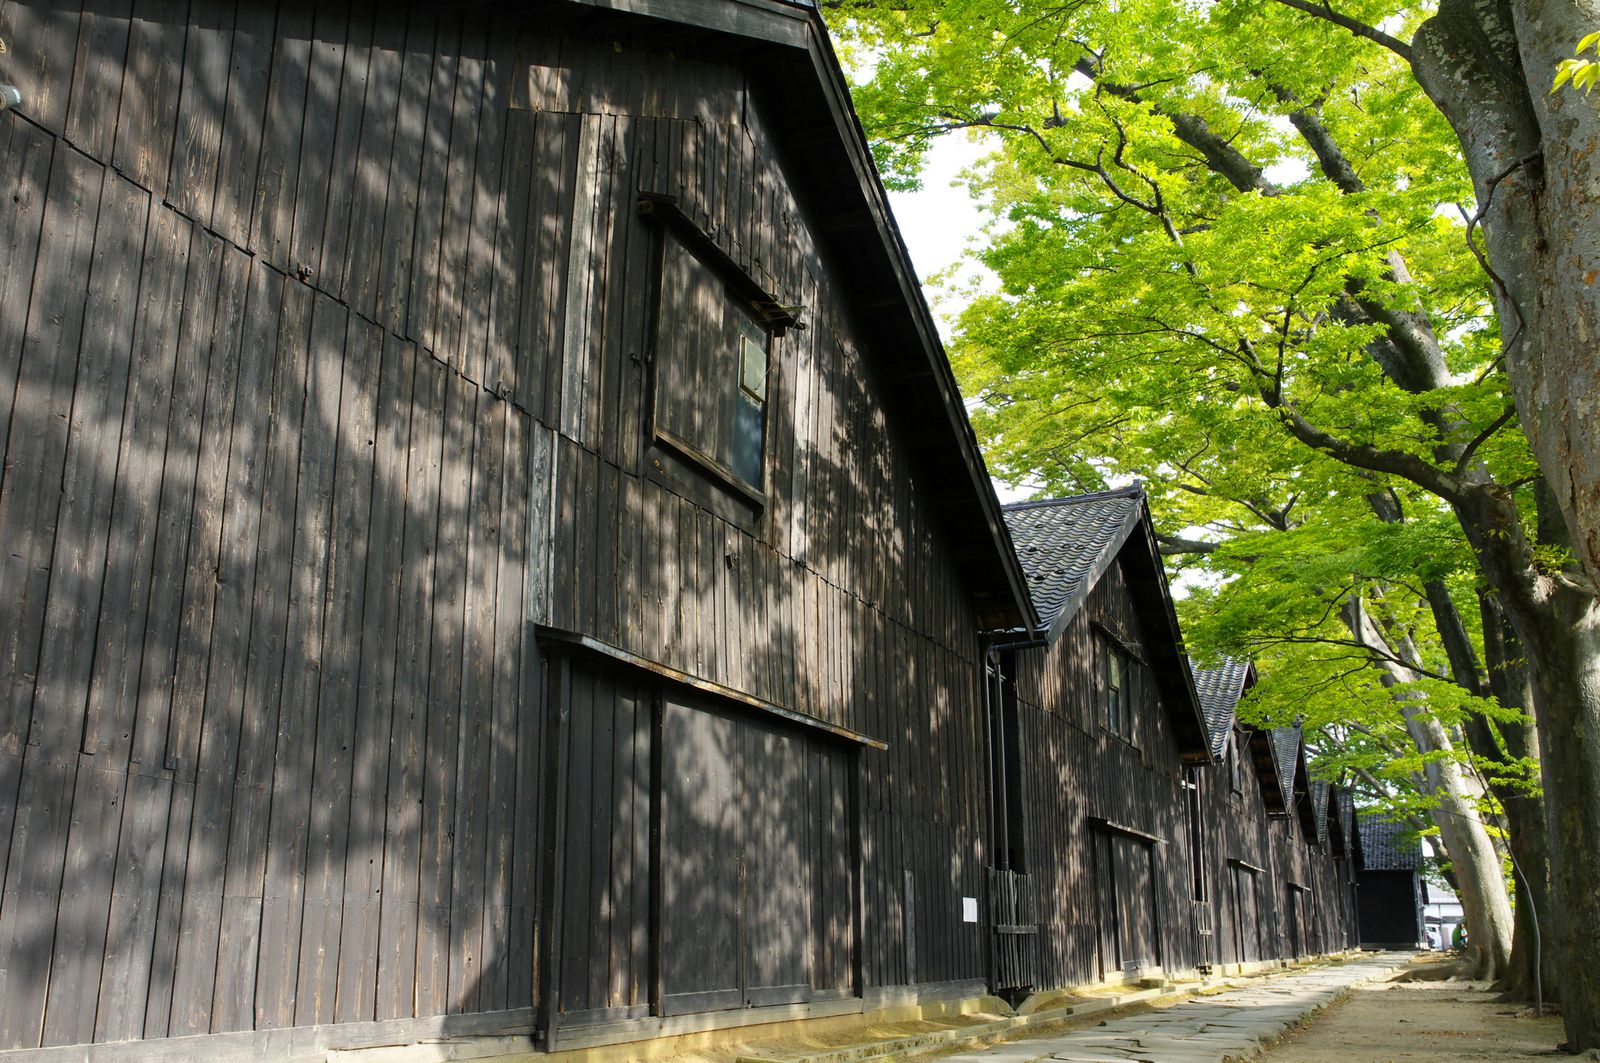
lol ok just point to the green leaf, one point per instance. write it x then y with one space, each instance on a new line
1146 312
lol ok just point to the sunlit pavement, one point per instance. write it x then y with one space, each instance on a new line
1232 1025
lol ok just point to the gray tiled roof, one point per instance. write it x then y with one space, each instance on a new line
1345 805
1066 545
1384 845
1285 748
1319 808
1219 689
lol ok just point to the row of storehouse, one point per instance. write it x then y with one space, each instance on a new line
493 549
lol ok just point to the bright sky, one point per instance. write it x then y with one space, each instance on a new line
939 221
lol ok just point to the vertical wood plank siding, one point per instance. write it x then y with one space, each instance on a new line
326 340
1075 770
271 710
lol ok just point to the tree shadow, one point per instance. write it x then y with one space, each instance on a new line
295 412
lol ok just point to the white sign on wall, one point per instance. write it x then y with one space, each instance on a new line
969 909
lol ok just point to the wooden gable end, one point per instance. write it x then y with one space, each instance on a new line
1070 678
1106 812
326 384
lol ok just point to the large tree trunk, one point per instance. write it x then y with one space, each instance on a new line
1565 656
1556 375
1486 910
1488 65
1485 907
1557 621
1533 973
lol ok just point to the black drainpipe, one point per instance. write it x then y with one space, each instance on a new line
993 691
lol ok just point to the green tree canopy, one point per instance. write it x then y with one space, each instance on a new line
1240 258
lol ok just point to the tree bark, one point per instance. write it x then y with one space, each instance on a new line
1512 686
1556 375
1557 621
1485 907
1531 154
1497 743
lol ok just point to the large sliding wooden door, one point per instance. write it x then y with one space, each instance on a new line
707 857
1130 927
755 874
704 876
1246 914
1291 921
1106 907
1140 938
779 853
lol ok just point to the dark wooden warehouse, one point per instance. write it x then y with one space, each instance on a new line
494 548
1389 884
1103 719
493 541
1160 834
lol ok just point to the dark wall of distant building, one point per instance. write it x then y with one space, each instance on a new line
1388 904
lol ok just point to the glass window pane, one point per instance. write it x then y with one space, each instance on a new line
753 366
749 430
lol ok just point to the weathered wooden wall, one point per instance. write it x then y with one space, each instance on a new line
1077 770
1242 832
265 672
272 737
1329 901
839 600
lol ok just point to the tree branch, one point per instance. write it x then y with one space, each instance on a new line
1361 455
1355 26
1176 544
1221 157
956 122
1483 437
1335 165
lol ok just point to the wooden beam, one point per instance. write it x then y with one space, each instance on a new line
1115 827
558 707
581 641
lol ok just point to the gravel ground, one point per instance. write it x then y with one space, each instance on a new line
1433 1021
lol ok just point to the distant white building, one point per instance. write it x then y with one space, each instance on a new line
1441 914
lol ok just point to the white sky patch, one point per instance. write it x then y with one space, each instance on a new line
1009 494
938 222
1287 171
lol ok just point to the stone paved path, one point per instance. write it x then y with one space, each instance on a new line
1214 1029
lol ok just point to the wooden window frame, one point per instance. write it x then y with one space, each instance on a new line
1235 767
723 473
758 306
1115 659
